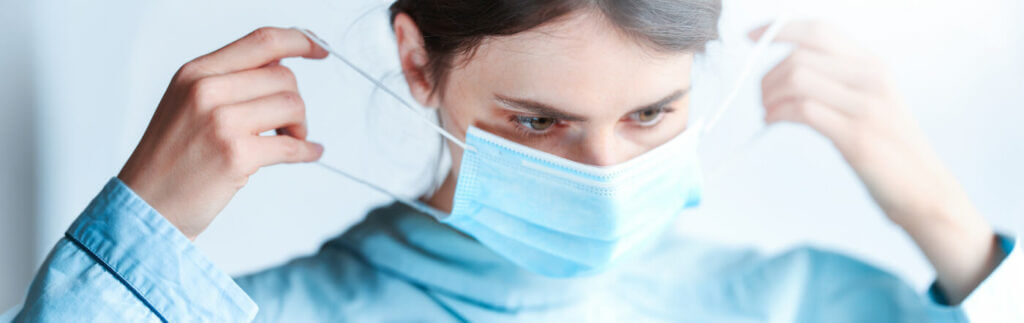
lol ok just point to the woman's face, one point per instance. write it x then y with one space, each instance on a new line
576 88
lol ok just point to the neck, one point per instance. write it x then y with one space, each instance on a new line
442 198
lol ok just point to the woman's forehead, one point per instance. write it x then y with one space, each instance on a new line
577 63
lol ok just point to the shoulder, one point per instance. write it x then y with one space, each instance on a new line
805 283
340 283
822 283
801 262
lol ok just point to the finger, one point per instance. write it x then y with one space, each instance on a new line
259 48
246 85
794 82
283 149
826 120
283 110
813 35
858 75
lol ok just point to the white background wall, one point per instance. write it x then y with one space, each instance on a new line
17 148
80 80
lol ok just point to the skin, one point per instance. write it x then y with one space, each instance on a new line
614 99
203 142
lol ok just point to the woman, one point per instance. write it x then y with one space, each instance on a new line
595 83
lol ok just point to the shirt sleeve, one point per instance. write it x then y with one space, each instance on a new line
998 297
122 261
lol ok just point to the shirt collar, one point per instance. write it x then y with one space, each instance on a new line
401 241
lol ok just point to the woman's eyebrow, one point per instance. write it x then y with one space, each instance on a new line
537 108
545 110
675 96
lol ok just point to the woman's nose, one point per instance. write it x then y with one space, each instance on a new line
604 148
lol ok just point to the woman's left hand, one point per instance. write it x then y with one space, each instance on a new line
847 94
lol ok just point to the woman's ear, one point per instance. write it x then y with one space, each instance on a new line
414 60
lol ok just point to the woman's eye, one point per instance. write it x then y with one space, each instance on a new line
538 124
647 117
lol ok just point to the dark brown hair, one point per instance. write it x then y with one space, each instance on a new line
451 28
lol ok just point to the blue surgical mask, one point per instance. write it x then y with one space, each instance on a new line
557 217
562 218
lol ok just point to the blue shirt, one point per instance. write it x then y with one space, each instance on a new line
122 261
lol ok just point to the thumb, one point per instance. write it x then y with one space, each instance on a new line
284 149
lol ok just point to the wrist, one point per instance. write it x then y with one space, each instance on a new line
948 210
960 245
128 177
955 219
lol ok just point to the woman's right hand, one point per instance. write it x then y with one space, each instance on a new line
204 140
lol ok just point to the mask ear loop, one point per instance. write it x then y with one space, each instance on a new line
419 206
411 203
755 55
748 68
320 42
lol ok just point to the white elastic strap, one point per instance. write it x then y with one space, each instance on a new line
424 118
378 84
360 181
766 39
411 203
746 147
762 45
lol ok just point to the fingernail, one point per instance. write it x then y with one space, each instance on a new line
318 148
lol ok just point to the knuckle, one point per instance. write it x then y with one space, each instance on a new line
190 69
292 150
236 164
228 147
292 100
266 36
804 108
799 104
284 73
220 121
234 157
231 149
205 92
240 181
797 76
